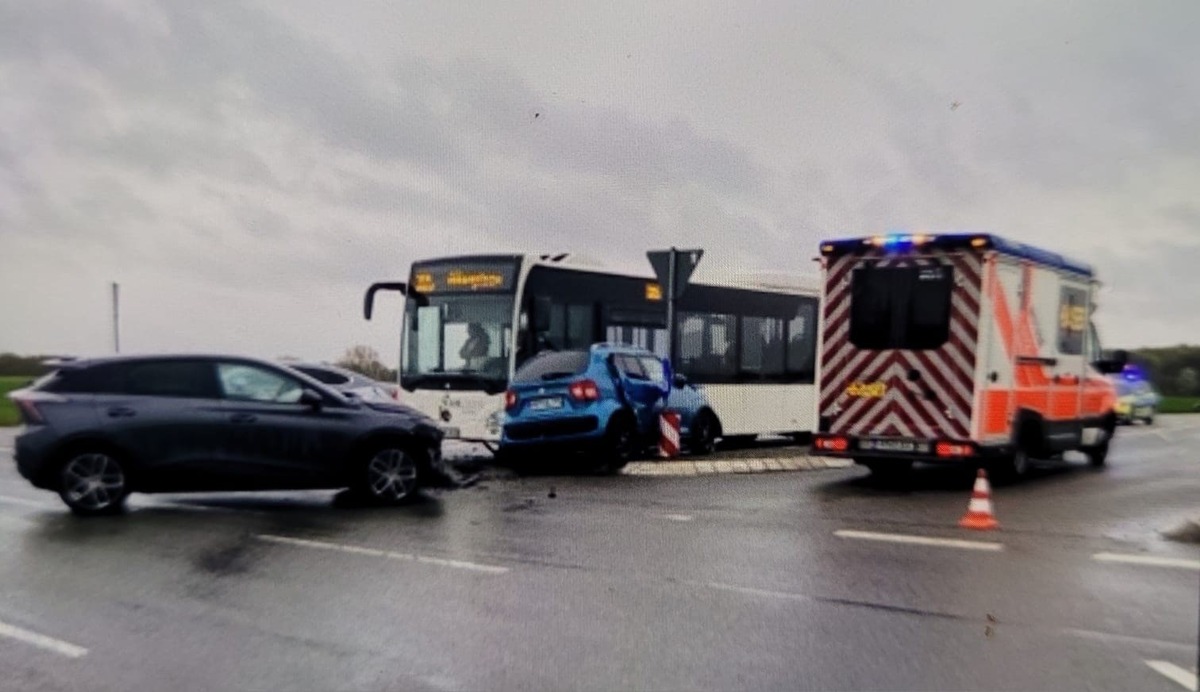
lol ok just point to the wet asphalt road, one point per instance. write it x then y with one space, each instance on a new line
713 582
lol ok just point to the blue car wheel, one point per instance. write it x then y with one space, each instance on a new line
620 443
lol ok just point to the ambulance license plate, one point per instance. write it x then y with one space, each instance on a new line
893 445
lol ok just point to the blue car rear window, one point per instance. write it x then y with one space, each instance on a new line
553 366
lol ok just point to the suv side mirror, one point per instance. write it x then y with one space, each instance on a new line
679 380
312 398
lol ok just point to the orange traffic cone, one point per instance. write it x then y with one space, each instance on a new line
979 514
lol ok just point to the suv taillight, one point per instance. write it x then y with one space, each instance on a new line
510 400
29 412
584 390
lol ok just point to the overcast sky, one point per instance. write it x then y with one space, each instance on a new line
246 169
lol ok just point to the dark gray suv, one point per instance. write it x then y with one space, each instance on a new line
96 430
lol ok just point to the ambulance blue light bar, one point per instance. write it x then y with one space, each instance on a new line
898 243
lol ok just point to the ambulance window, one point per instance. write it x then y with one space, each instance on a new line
1072 321
900 307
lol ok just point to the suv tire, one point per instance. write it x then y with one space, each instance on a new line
389 474
93 482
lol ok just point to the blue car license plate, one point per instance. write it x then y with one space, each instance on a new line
547 404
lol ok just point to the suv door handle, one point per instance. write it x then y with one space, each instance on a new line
121 412
243 418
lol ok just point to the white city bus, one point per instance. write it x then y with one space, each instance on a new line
749 342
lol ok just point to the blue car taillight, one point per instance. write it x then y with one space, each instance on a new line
584 390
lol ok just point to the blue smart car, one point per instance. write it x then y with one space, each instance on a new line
605 400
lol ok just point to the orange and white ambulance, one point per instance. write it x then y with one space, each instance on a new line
959 348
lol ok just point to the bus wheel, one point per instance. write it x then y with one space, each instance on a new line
704 435
737 441
801 438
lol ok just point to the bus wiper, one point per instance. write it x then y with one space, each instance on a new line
488 384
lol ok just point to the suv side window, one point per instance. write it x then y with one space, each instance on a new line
174 378
246 382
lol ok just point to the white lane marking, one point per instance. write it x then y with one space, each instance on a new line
386 554
1172 672
919 540
9 499
749 591
1148 560
678 517
41 641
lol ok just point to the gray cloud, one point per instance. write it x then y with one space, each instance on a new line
233 154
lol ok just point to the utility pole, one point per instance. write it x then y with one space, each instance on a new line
671 264
116 307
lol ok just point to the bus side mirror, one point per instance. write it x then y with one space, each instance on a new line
369 296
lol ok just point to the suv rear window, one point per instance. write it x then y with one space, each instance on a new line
96 379
553 365
900 307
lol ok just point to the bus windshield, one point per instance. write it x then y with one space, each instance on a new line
458 327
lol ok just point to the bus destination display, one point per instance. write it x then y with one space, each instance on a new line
463 278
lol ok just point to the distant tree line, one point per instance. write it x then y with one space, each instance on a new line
1174 370
12 365
365 361
360 359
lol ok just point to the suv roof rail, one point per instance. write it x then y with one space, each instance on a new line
58 361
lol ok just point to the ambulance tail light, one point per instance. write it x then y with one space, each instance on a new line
954 450
831 443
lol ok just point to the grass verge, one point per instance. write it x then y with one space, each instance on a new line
1180 404
8 410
